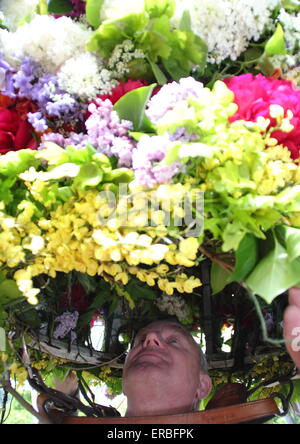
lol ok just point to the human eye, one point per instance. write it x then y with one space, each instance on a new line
139 340
172 340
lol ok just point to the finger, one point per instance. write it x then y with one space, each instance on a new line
294 296
292 333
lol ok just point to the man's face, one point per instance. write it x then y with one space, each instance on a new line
164 358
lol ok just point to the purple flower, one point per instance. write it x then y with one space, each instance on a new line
146 161
170 94
66 323
33 84
38 121
6 79
108 134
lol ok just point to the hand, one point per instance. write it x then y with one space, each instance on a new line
69 386
292 325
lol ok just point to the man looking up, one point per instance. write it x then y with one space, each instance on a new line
165 372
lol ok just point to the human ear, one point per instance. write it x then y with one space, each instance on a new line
204 387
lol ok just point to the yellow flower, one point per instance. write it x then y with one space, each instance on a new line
162 269
189 247
191 284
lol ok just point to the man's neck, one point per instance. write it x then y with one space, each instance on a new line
155 408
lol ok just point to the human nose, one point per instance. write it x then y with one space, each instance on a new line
152 339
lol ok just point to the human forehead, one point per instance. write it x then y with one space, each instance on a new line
165 327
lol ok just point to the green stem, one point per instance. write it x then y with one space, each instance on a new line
43 7
265 336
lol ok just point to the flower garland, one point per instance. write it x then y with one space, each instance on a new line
134 143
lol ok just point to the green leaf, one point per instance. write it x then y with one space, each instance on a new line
291 238
291 5
172 153
276 44
15 162
132 107
64 193
89 175
102 161
274 274
53 154
81 156
65 170
174 69
42 7
186 21
105 39
2 340
139 291
93 14
9 291
60 6
246 258
219 278
121 175
157 8
158 74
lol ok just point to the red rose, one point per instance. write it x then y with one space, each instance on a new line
78 299
122 89
15 133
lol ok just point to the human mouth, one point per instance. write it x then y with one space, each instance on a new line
149 355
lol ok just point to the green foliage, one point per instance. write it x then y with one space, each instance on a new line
169 52
276 44
93 8
276 272
219 278
66 171
60 6
246 258
132 107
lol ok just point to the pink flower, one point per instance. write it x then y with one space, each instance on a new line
255 94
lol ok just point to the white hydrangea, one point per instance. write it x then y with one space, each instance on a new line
16 10
291 61
113 9
48 41
84 76
227 26
173 305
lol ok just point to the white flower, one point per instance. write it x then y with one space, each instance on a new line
173 305
290 61
113 9
48 41
227 26
16 10
84 76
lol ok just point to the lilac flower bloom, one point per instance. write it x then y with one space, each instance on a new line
54 138
170 94
38 121
6 79
146 161
66 323
108 134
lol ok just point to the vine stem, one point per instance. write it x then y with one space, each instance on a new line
214 258
266 338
